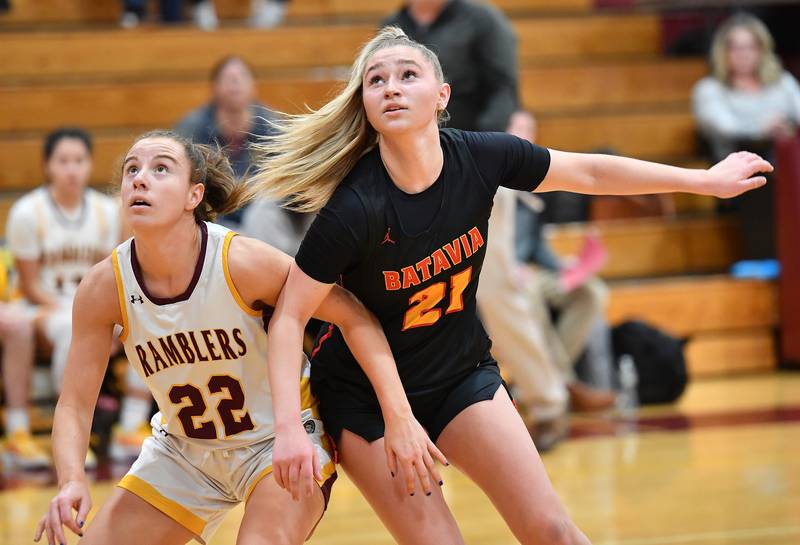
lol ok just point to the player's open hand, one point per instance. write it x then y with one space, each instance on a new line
295 463
411 454
736 174
74 495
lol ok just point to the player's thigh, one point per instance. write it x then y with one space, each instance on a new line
489 442
122 518
273 517
417 519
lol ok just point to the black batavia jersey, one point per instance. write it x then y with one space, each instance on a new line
420 283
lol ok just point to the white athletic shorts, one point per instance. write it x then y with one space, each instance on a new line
196 486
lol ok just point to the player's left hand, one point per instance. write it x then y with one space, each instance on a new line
295 463
736 174
73 495
410 454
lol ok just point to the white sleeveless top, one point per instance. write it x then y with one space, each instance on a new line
65 247
203 354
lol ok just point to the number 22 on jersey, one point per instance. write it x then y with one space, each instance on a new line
227 408
422 311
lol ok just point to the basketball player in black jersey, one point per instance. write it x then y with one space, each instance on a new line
403 209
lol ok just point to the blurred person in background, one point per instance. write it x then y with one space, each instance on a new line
263 13
233 120
515 302
56 233
746 102
478 52
19 450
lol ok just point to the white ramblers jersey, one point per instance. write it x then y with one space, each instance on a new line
203 354
65 247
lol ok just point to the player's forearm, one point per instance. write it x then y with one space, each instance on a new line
284 363
597 174
622 175
71 429
368 344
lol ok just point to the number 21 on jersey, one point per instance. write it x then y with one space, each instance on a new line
422 311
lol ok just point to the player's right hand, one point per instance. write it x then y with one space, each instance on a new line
295 463
72 495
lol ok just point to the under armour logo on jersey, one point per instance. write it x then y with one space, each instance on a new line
136 299
388 237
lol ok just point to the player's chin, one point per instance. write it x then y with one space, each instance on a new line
397 127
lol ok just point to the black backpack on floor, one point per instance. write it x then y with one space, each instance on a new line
658 357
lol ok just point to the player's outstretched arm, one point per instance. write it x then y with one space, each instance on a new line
597 174
94 313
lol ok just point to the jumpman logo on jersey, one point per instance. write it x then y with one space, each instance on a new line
136 299
388 237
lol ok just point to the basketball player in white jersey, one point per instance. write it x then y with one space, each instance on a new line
192 300
56 233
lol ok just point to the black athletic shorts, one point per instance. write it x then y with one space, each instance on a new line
355 408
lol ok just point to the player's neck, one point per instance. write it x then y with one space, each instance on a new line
68 199
413 160
168 257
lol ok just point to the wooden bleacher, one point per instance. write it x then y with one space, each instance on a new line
594 79
729 323
649 247
37 12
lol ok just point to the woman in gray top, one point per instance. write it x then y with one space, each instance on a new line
747 102
748 95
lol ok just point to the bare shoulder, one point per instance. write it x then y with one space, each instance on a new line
96 298
257 270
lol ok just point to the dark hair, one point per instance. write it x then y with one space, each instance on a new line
56 136
210 167
220 65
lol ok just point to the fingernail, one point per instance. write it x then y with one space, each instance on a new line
447 463
441 483
80 524
411 494
427 493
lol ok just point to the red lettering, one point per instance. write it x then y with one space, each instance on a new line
392 280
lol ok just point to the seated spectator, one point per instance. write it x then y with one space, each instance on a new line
748 95
16 339
263 13
515 303
745 103
571 290
232 120
56 233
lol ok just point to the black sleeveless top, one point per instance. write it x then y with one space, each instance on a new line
418 278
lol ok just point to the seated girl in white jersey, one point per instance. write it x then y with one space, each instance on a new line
193 301
56 233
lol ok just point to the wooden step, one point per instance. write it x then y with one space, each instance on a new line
693 305
166 53
139 105
663 134
31 12
731 352
594 86
648 247
544 90
648 136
